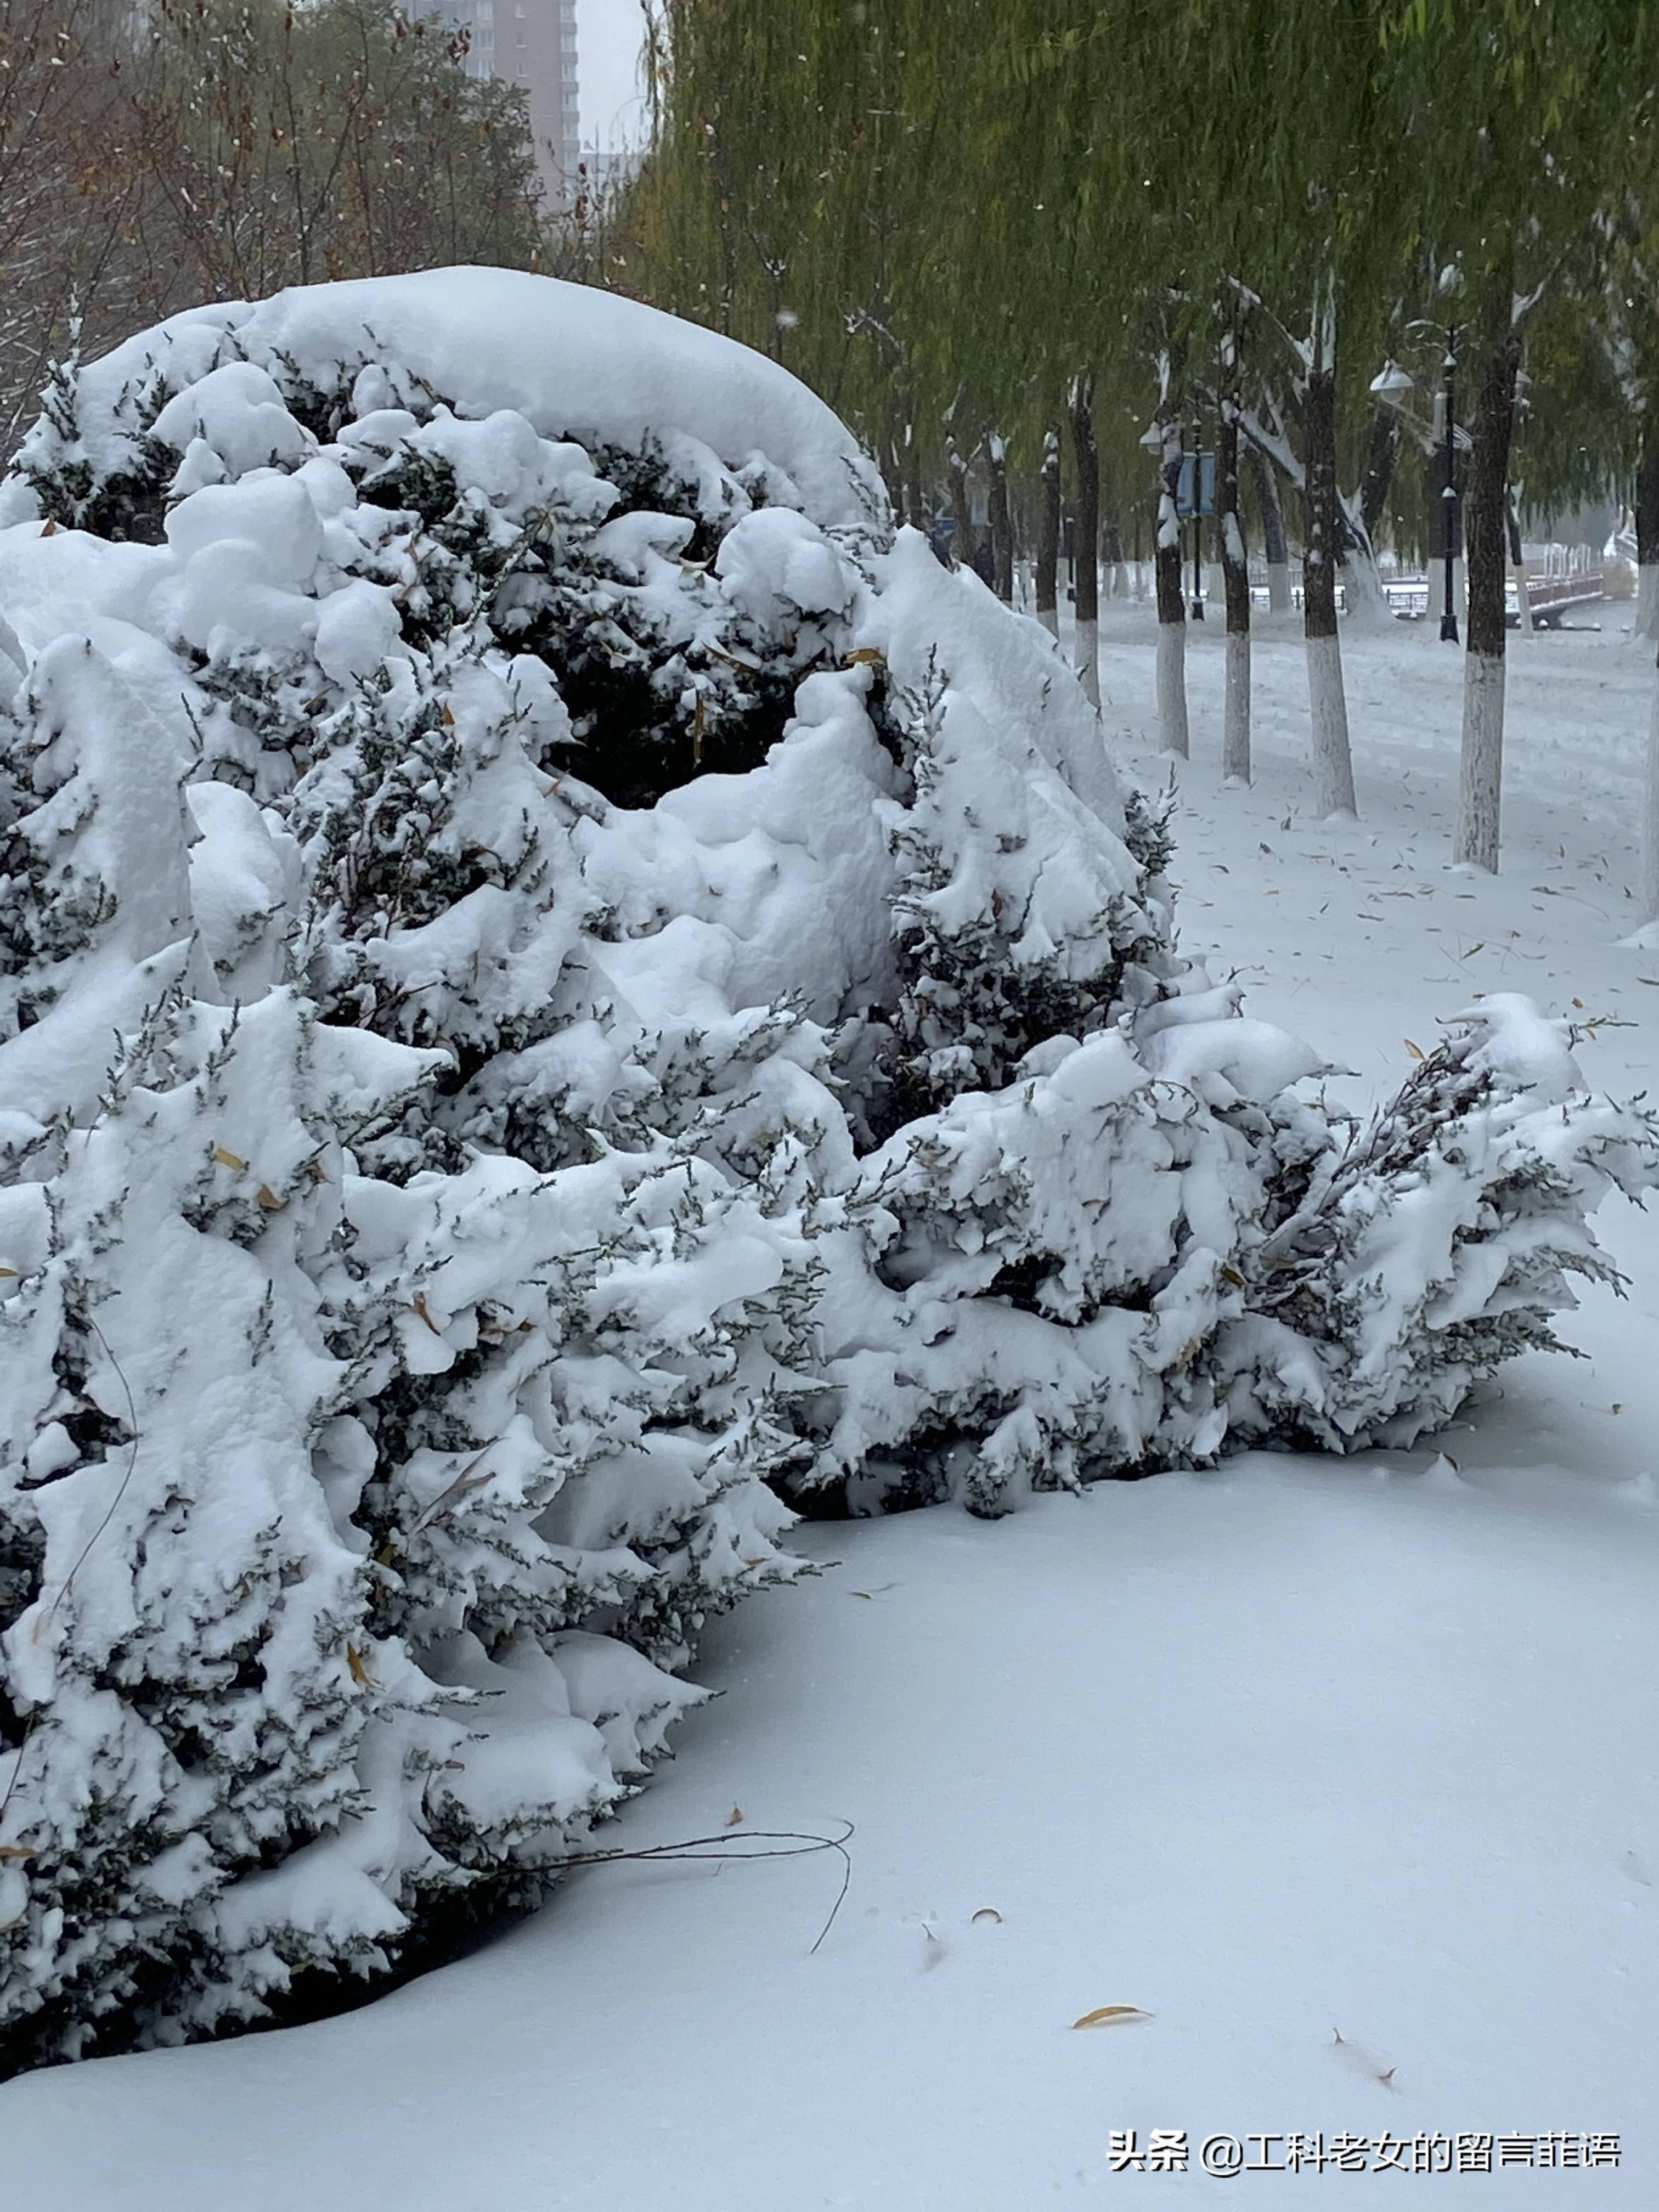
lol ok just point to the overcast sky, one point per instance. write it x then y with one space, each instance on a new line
609 33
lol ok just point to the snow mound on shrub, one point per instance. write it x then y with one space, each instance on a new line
560 989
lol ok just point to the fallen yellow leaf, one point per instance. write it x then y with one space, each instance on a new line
863 656
1108 2016
734 1819
268 1198
1415 1050
227 1158
15 1851
359 1670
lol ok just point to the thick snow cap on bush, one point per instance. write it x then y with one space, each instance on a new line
560 989
572 362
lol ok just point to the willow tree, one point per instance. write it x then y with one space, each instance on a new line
781 193
1515 114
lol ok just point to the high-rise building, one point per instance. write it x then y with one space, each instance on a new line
531 43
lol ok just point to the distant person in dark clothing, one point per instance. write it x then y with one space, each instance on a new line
985 562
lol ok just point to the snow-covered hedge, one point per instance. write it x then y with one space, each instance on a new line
559 989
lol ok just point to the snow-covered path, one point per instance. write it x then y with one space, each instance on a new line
1293 1747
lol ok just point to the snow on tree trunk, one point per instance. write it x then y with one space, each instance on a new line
1086 646
1647 538
1172 734
1236 573
1361 584
1002 528
1047 553
1275 549
1486 529
1333 762
504 1030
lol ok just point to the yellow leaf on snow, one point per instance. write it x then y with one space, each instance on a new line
863 656
268 1198
360 1673
734 1818
1415 1050
15 1851
227 1159
1109 2015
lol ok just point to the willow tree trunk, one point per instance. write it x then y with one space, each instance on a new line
1047 553
1235 589
1172 736
1378 478
1111 553
1360 576
1085 646
1275 551
961 510
1524 624
1646 534
1002 528
1486 525
915 511
1333 762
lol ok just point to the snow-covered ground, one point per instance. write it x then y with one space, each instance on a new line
1293 1750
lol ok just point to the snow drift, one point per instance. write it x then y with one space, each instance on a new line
561 991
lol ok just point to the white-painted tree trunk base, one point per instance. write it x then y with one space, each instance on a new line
1236 713
1120 579
1647 599
1648 896
1480 782
1085 659
1362 587
1279 588
1328 708
1215 585
1049 617
1172 736
1523 598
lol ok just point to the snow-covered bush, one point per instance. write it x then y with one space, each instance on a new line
561 990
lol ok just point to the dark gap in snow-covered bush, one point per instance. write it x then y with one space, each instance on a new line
564 994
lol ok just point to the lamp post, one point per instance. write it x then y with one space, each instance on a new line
1449 496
